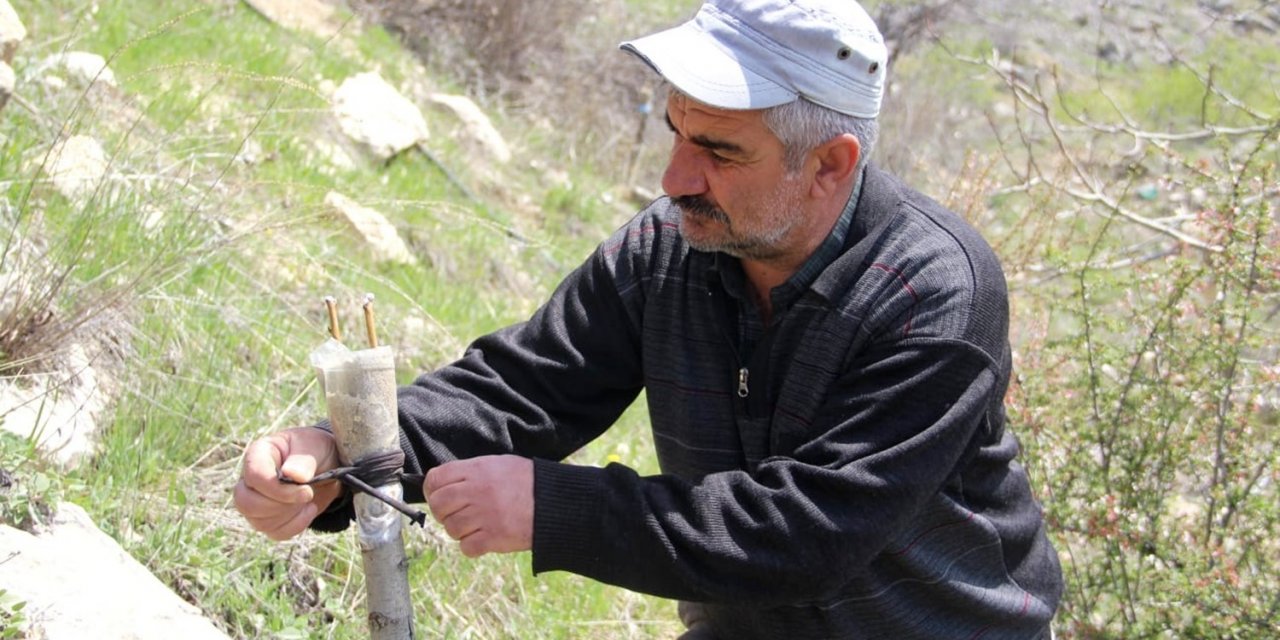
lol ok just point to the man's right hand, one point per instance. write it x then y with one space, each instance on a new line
278 509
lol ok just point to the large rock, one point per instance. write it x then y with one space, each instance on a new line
12 33
309 16
60 410
78 583
477 125
378 234
376 115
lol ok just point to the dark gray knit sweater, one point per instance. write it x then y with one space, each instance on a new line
842 473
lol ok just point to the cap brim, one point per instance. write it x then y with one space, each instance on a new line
692 62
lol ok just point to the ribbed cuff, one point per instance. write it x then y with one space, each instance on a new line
567 517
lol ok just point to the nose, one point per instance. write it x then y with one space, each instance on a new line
684 175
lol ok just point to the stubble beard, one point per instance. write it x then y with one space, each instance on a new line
778 214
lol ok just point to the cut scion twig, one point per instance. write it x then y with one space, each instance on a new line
368 321
332 305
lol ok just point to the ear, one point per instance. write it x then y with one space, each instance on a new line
835 161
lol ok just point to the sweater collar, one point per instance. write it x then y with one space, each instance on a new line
728 269
877 205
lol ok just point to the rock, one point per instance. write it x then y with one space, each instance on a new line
84 67
374 229
12 33
376 115
59 410
21 267
77 165
8 82
309 16
78 583
477 125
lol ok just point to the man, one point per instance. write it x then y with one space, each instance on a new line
825 356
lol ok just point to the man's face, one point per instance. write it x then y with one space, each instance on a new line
727 175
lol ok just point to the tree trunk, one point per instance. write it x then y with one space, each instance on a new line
360 391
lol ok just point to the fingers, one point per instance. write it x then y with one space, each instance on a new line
462 523
446 474
485 503
478 544
263 462
278 521
444 503
299 467
278 509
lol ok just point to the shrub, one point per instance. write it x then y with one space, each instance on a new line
1149 382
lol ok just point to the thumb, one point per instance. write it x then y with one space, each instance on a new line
307 451
299 467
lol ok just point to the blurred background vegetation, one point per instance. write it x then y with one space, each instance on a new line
1120 156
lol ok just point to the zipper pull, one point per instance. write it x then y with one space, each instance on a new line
742 382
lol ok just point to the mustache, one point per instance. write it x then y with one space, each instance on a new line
700 206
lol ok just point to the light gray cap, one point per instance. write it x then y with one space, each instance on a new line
756 54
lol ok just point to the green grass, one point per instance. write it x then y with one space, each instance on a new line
224 307
215 263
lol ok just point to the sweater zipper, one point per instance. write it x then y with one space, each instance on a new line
729 314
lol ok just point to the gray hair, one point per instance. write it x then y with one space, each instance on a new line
802 126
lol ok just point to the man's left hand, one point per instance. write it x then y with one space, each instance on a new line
484 503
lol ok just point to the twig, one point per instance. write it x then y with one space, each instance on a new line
334 329
368 321
1207 81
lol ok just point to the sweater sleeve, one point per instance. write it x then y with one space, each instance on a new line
542 388
897 424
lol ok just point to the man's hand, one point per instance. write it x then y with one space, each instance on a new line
484 503
284 510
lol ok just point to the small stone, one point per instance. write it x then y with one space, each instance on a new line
309 16
60 410
373 228
8 82
84 67
477 125
376 115
77 165
12 33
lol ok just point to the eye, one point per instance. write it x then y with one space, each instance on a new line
718 159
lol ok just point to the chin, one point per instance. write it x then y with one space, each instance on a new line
698 233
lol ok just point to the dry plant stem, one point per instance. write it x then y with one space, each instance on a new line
360 390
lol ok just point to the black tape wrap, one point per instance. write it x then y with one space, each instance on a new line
369 473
